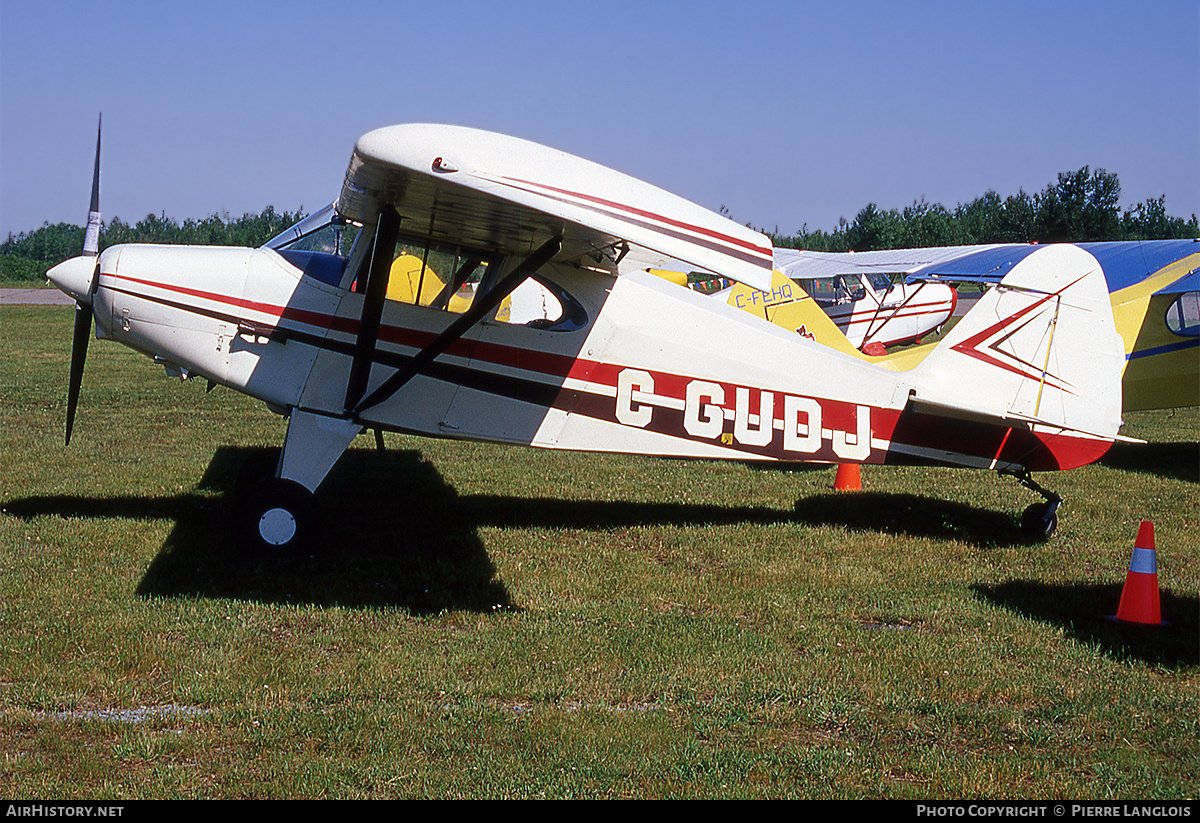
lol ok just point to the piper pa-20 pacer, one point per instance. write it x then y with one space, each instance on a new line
391 310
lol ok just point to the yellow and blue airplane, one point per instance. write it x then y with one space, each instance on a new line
1155 289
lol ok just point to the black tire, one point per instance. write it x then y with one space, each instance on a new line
1039 521
255 469
277 519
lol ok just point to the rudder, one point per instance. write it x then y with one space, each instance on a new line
1040 349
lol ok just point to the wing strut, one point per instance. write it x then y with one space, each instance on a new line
479 309
386 233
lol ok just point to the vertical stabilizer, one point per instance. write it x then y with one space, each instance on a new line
1039 350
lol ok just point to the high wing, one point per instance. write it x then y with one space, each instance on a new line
503 193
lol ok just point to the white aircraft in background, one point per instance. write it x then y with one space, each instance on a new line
872 307
392 310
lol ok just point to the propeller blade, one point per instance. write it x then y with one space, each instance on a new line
79 346
83 307
91 236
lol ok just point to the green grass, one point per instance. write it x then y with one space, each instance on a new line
501 622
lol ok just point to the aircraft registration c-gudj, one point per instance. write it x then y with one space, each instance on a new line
392 310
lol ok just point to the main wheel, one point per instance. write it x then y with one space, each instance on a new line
255 469
278 518
1040 520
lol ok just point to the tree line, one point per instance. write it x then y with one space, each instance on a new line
27 256
1082 206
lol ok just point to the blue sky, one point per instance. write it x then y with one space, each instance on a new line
786 113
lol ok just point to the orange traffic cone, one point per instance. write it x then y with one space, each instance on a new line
1139 598
847 478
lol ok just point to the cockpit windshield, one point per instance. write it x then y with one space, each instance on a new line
324 231
878 281
319 245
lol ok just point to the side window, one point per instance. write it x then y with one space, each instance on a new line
440 276
825 290
853 288
879 282
1183 316
436 275
448 277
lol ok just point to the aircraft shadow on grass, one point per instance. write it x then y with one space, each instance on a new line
1085 612
395 535
912 515
1172 461
398 535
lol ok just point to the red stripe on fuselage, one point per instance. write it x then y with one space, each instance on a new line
535 360
1037 451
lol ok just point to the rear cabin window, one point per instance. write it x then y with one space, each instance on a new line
540 303
1183 316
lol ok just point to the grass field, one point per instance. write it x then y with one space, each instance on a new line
492 622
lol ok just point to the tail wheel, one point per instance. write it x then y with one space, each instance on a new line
1040 520
278 519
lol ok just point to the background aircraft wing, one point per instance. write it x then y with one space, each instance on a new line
1148 264
1190 282
1125 263
986 265
498 192
803 264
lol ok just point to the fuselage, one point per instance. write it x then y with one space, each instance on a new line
654 368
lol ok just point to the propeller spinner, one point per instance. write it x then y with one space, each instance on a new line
79 277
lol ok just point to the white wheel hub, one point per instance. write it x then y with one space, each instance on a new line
277 526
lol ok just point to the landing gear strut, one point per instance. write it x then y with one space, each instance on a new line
1041 519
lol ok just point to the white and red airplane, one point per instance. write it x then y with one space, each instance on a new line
874 308
392 310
